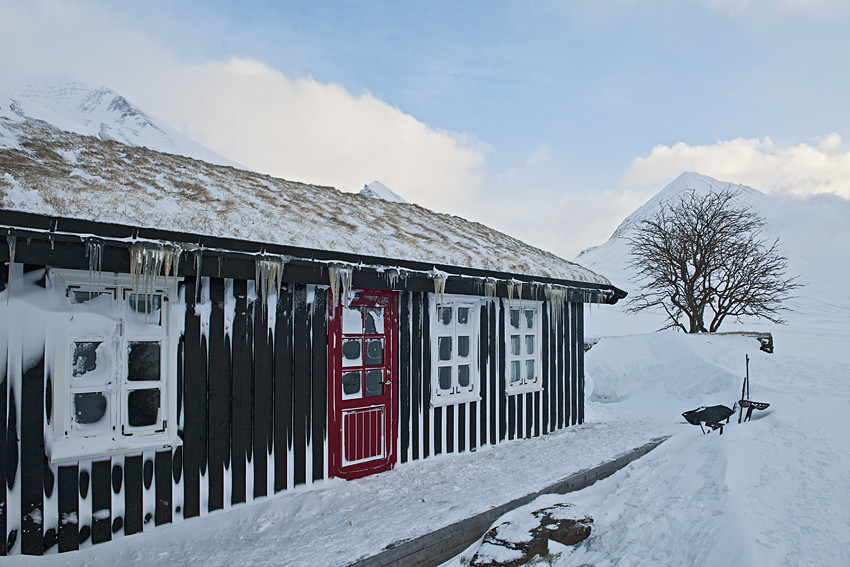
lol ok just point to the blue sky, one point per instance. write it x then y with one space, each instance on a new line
549 120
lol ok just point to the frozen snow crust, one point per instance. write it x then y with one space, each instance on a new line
52 172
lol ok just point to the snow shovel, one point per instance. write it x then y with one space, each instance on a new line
712 416
745 394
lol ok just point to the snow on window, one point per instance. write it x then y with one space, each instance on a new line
453 335
523 356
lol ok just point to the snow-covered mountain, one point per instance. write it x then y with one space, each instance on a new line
101 112
378 190
814 233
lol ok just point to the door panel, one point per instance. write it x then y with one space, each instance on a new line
362 346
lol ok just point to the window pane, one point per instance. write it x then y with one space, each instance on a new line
374 352
463 375
143 303
90 407
515 318
444 377
350 384
351 352
143 360
444 347
515 345
463 315
463 346
529 318
374 383
529 371
84 358
444 315
515 371
352 321
143 407
83 296
529 344
374 320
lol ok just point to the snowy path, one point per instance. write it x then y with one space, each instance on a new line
334 523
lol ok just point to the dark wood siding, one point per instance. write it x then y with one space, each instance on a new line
252 399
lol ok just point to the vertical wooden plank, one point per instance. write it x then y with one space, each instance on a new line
450 428
195 407
428 428
416 374
561 361
133 509
578 346
534 426
219 396
4 462
32 460
461 427
574 309
493 365
545 359
483 350
502 391
162 470
69 529
529 413
301 379
437 430
283 384
263 396
241 394
404 392
319 369
101 501
512 415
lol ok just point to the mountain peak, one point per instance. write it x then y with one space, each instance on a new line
378 190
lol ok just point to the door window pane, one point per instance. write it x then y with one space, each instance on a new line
84 358
352 321
374 383
351 384
529 318
351 355
444 315
374 351
143 359
529 370
444 346
374 321
529 344
90 408
143 407
462 315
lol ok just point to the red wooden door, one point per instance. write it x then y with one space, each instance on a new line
362 347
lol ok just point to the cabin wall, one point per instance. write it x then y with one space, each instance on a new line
252 411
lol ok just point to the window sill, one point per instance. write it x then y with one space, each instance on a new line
523 389
453 399
71 450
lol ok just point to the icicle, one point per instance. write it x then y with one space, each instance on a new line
439 285
519 292
147 261
392 277
510 294
489 288
11 240
94 252
199 254
557 298
268 273
340 276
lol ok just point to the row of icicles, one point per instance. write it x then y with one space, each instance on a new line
149 260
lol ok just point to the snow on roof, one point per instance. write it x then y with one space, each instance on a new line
52 172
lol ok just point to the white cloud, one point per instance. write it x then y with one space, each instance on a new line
802 169
299 129
539 156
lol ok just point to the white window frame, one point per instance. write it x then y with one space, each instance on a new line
115 328
526 383
458 394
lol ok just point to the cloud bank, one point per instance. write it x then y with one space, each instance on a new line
802 169
300 129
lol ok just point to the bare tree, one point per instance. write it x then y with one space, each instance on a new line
703 255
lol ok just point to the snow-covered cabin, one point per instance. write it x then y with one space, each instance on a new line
178 337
